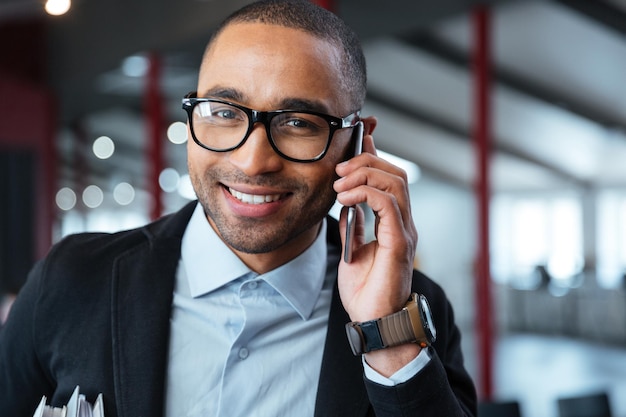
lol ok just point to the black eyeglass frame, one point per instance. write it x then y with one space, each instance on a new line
190 101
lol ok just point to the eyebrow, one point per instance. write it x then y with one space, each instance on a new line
289 103
304 104
224 93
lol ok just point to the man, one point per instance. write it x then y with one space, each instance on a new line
236 306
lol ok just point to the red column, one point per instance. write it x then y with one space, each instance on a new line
28 114
327 4
482 120
49 161
153 107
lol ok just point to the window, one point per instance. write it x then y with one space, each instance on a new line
611 238
533 231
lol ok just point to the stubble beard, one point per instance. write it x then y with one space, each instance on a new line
253 235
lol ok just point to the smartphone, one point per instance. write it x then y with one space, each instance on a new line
351 220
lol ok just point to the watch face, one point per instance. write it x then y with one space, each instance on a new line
427 319
355 339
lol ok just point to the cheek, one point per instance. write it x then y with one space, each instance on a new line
340 149
325 172
320 180
191 145
192 165
197 157
199 163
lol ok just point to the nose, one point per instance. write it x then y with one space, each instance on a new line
256 156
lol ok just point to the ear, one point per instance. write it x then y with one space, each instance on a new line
369 124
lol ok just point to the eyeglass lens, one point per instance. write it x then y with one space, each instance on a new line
297 135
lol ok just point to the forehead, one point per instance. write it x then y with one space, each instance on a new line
266 63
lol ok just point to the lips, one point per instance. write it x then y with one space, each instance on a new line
254 198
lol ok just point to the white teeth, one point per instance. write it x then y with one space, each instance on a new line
254 198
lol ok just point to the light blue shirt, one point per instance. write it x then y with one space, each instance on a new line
244 344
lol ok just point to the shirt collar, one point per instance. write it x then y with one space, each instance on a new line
300 280
210 264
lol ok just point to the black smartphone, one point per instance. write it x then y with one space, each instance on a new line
351 220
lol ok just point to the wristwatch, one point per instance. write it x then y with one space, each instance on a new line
413 324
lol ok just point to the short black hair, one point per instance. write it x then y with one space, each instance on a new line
317 21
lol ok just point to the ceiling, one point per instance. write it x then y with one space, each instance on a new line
559 84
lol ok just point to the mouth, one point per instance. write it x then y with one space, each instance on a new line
254 198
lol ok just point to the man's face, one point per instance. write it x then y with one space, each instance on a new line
258 202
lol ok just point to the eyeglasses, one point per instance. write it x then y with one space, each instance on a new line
296 135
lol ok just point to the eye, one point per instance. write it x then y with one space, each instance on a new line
227 113
220 114
299 124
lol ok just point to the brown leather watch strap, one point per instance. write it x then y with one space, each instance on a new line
396 329
405 326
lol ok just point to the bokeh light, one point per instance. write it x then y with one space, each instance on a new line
168 180
124 193
93 196
177 133
66 199
103 147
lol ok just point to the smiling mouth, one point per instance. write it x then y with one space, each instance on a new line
254 198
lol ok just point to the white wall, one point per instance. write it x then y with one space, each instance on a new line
445 217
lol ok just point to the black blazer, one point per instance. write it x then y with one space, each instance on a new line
95 313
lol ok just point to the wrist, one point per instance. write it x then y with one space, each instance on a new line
413 324
388 361
390 376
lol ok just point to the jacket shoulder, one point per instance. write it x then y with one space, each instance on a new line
91 247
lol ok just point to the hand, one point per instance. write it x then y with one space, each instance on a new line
378 280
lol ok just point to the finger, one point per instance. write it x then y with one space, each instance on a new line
372 161
369 171
368 145
359 229
391 229
370 177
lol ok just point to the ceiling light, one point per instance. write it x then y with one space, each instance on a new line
57 7
413 171
135 66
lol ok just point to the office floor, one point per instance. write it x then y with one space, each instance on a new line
536 370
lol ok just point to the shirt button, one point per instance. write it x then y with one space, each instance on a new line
243 353
252 285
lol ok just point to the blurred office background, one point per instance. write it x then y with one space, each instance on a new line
92 138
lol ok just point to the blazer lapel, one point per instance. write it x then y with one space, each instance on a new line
341 391
142 288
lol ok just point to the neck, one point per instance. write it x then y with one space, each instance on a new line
264 262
